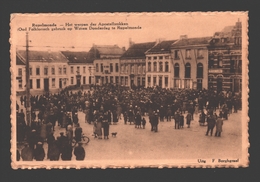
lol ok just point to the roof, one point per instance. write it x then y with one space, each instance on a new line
19 61
42 56
191 41
137 50
76 57
104 51
228 29
162 47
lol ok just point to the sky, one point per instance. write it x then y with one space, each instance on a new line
168 26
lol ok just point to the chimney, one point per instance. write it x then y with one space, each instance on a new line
183 37
159 40
130 42
123 48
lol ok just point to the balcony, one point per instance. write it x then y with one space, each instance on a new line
215 70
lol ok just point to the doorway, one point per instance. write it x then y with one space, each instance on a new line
46 84
219 84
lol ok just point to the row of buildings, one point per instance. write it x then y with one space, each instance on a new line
194 63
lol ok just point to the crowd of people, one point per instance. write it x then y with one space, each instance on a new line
106 105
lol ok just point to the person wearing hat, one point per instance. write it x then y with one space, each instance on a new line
39 152
79 152
50 140
219 124
62 141
138 119
32 139
53 151
27 153
66 152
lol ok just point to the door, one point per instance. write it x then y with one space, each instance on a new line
46 84
60 83
199 84
236 85
219 84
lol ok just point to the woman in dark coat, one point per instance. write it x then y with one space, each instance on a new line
106 126
66 152
53 151
79 152
39 152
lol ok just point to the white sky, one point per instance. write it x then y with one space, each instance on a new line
154 26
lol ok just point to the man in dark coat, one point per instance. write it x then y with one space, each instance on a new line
181 120
50 141
211 124
177 120
62 141
156 121
138 119
219 124
188 119
78 133
79 152
39 152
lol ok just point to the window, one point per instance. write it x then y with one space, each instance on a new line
122 68
71 69
37 71
96 67
149 66
31 84
60 70
239 66
111 67
154 66
166 80
155 58
122 80
78 70
89 80
38 83
200 55
30 71
139 69
117 80
64 70
220 62
71 80
232 66
53 71
149 81
176 70
101 67
84 69
132 69
160 66
187 70
126 80
117 67
154 81
126 68
45 71
20 72
199 70
177 54
160 57
160 81
20 83
111 79
53 82
143 70
166 67
211 63
149 58
188 54
84 80
143 81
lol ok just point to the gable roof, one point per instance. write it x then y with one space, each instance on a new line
19 61
42 56
77 57
162 47
137 50
191 41
104 51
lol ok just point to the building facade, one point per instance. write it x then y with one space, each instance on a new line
20 75
106 63
190 62
132 64
159 68
47 69
80 68
225 60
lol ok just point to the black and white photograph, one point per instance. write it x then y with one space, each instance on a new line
116 90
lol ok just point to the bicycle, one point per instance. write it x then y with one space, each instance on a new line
84 140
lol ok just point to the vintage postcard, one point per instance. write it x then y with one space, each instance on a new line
127 90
